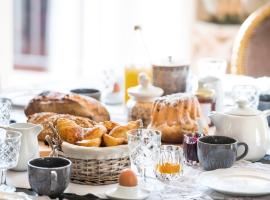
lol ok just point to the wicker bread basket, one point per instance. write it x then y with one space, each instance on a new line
96 165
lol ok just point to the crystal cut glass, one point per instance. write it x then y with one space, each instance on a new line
10 142
5 109
143 147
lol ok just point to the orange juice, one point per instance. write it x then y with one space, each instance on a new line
131 77
168 168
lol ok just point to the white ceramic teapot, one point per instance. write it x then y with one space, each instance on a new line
29 143
247 125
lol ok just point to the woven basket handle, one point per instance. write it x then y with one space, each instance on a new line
54 141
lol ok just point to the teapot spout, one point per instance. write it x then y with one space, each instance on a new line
216 118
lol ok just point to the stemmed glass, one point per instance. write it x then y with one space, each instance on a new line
10 142
215 67
5 108
143 147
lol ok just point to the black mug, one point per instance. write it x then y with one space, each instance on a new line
49 176
216 152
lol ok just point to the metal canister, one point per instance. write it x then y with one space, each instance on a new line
171 77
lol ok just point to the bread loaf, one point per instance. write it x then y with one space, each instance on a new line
73 104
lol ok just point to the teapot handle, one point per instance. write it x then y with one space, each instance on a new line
266 113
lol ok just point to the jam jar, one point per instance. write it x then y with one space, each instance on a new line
141 100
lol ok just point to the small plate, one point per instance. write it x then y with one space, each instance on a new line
118 194
237 181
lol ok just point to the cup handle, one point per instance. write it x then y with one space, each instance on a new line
53 180
245 152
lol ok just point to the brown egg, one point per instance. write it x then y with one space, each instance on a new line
128 178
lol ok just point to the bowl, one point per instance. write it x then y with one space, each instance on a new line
90 92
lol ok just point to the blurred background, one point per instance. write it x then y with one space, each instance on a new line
88 42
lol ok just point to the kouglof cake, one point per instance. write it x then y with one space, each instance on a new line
176 114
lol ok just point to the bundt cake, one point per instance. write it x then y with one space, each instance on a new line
176 114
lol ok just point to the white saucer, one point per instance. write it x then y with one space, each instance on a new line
237 181
127 193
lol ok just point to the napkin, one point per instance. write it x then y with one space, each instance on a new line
71 196
64 196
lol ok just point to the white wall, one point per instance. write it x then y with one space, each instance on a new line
166 26
88 36
6 45
65 37
102 38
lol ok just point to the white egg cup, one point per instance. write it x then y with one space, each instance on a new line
132 193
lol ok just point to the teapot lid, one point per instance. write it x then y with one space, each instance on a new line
145 89
243 109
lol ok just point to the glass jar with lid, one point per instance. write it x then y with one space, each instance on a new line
141 99
207 100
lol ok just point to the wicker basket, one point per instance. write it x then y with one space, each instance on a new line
96 165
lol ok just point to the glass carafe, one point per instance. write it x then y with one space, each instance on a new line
139 61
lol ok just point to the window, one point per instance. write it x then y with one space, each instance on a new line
80 37
30 34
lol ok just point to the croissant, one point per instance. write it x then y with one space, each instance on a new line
111 141
121 131
69 131
45 117
95 132
134 124
109 125
89 143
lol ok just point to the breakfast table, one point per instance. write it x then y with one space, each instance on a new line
187 187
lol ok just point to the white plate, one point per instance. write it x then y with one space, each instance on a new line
14 196
237 181
113 194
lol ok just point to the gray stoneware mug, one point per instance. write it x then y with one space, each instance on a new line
216 152
49 176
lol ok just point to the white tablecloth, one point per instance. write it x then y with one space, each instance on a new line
187 188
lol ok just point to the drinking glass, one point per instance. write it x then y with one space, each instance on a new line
215 67
248 93
143 147
169 163
5 109
190 148
9 153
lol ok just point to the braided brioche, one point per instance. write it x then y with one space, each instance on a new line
174 115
